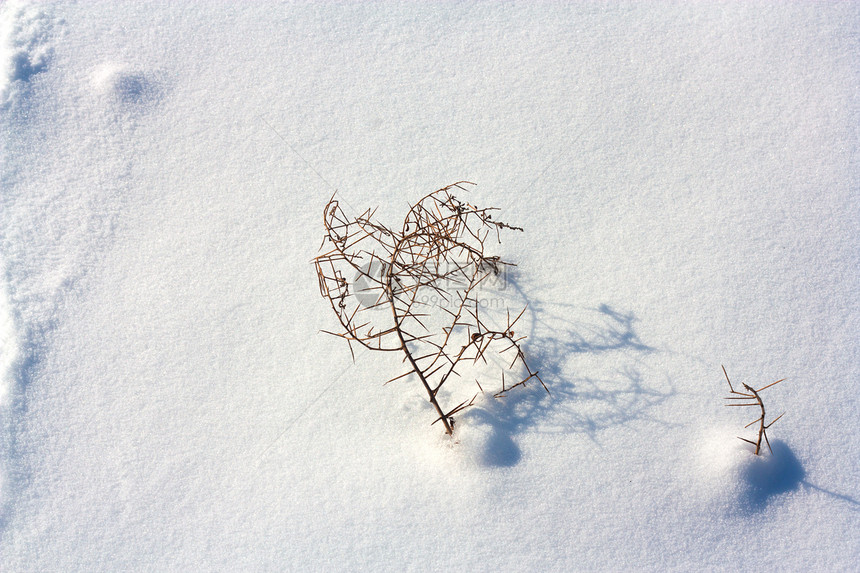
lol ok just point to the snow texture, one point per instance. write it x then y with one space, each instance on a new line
687 178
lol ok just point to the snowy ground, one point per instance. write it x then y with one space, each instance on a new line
687 179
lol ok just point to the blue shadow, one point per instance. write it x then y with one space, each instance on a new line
558 332
772 475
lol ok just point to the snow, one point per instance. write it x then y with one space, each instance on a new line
687 180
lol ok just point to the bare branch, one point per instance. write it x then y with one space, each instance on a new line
434 264
753 394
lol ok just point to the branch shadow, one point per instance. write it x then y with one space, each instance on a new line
853 503
592 361
769 476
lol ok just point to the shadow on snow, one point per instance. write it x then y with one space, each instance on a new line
609 389
770 476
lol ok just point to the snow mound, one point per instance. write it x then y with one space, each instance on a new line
740 481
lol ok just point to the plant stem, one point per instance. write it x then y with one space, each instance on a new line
389 279
761 428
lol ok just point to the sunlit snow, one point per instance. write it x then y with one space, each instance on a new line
686 178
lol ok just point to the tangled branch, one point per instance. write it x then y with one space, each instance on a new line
440 252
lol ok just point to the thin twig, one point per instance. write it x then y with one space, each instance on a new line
753 394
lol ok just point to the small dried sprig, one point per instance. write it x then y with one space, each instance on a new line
439 255
752 399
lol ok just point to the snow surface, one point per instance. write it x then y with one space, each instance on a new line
687 177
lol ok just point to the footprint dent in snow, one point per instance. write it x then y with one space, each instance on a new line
25 46
135 89
129 88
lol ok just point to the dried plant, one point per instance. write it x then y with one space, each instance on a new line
753 399
414 291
